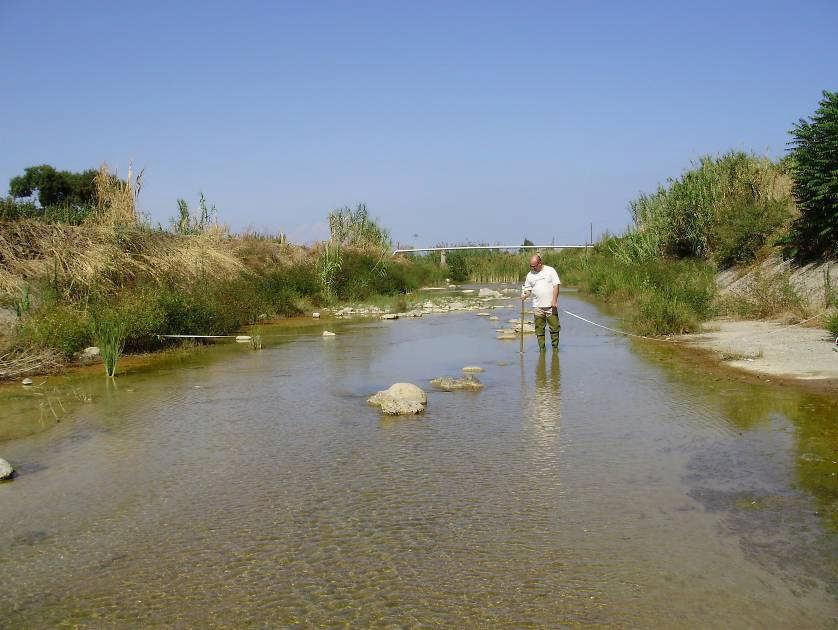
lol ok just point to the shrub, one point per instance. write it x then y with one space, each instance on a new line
832 324
208 310
60 327
458 266
724 209
815 156
282 288
140 315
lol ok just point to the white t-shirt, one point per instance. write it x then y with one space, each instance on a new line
541 285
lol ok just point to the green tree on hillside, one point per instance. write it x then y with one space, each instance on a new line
815 152
55 188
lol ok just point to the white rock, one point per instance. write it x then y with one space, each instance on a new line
328 333
316 315
400 399
90 352
488 293
390 316
472 368
494 318
468 290
26 381
6 470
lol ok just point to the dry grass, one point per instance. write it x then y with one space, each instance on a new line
116 201
80 259
262 252
27 361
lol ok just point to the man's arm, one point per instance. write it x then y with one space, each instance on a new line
527 288
556 285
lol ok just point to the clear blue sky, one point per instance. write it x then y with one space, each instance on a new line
487 121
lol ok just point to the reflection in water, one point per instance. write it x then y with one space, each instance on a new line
544 402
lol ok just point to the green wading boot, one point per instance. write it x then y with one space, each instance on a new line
555 329
540 322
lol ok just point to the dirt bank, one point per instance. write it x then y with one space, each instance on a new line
771 349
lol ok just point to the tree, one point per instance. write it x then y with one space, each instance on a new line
814 234
527 243
55 188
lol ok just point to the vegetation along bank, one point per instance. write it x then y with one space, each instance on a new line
738 236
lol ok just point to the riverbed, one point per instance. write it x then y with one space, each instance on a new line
609 484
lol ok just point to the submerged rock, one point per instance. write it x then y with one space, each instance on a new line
6 470
328 333
489 293
473 368
450 383
400 399
414 313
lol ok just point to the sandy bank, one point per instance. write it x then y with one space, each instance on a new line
771 348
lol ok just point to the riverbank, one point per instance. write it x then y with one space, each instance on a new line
65 288
429 300
772 350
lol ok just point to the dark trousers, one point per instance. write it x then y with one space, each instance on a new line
542 318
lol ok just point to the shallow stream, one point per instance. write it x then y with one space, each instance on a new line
612 484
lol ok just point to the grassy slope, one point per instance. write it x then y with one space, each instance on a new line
76 285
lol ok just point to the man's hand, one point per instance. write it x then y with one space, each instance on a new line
554 310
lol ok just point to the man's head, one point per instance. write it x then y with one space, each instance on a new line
535 263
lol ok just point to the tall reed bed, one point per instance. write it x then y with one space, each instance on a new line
724 209
658 296
109 334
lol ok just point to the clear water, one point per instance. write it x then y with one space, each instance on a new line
610 485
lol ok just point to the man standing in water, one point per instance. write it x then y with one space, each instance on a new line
543 283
